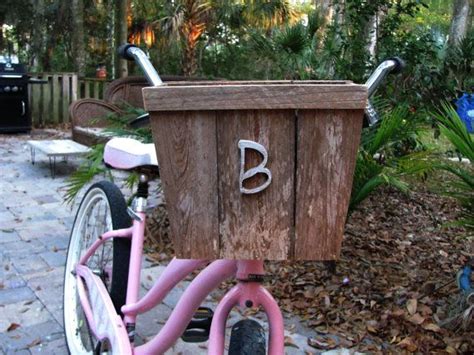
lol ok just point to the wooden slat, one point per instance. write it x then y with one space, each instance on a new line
34 101
96 90
186 148
241 97
87 94
74 92
65 87
256 226
327 142
47 107
55 96
41 105
257 82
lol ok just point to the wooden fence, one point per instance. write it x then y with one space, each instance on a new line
49 102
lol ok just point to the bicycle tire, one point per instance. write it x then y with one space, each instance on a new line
115 216
247 338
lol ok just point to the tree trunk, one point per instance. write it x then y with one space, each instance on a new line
37 35
78 46
325 8
460 21
190 61
111 53
121 36
372 32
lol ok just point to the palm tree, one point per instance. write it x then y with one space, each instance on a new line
187 22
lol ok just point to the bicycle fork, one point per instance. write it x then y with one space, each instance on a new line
248 293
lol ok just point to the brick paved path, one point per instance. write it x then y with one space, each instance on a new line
34 234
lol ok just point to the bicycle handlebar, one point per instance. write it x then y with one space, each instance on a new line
392 65
132 52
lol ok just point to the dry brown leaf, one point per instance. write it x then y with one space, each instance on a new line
289 342
416 319
450 350
324 342
408 344
13 326
412 305
432 326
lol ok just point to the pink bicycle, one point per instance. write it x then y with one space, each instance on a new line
102 274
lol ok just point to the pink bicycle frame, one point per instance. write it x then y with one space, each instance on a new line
246 293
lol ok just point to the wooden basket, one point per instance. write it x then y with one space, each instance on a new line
301 137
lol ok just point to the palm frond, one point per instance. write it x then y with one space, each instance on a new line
85 173
452 127
293 39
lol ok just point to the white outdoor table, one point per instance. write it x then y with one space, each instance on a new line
54 148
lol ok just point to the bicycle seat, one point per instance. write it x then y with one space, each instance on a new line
128 153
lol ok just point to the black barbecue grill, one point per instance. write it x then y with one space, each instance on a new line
15 115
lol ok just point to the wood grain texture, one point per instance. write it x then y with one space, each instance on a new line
186 150
327 143
257 226
229 96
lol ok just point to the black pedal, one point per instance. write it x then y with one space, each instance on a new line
199 327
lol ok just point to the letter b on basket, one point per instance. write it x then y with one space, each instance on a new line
259 169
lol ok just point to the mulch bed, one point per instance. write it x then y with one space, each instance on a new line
393 284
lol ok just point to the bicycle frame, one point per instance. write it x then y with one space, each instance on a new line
247 293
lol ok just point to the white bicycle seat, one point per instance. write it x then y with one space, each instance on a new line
128 153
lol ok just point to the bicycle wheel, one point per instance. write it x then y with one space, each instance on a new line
247 338
103 208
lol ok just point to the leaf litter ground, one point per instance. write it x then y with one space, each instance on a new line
394 282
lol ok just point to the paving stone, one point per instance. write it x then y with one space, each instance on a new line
26 337
8 235
42 230
55 347
54 258
25 315
18 352
8 220
44 199
19 250
30 264
48 287
15 295
3 208
60 242
9 277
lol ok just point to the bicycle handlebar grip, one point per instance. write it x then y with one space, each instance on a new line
123 51
400 65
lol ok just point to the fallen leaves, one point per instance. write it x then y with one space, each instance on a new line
408 344
384 294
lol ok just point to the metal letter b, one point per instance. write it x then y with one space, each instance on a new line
259 169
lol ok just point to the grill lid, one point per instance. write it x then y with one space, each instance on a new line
12 71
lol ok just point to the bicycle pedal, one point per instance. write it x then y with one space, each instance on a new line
199 327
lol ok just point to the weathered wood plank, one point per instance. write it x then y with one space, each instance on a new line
257 82
186 149
34 103
65 87
55 96
242 97
96 90
327 142
46 101
87 86
257 226
74 88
